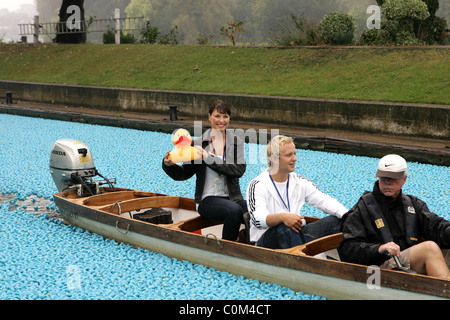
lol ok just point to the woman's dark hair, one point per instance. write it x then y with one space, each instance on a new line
221 107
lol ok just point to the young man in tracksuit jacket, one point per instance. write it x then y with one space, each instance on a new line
276 196
386 223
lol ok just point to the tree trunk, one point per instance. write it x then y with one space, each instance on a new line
72 28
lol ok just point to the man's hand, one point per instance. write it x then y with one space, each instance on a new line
391 247
291 220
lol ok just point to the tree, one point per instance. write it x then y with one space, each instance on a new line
406 13
432 29
48 10
408 22
233 31
191 16
72 28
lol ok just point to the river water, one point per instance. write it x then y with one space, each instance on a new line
42 258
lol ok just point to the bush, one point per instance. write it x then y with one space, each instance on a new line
405 11
109 37
337 28
432 30
297 32
386 35
370 37
204 39
407 38
150 34
169 38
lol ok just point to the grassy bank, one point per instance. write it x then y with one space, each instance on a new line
386 74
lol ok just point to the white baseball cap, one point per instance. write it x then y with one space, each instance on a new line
392 166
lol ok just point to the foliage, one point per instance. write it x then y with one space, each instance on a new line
370 37
337 28
433 29
405 10
386 35
206 17
170 37
406 38
192 17
150 34
204 39
408 22
406 13
261 17
298 31
109 37
233 31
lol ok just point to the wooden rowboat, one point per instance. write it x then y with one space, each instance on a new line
112 214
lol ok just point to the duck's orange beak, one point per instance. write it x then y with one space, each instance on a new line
183 140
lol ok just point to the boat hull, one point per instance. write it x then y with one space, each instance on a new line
311 275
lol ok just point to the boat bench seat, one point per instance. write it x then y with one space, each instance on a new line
316 246
323 244
197 223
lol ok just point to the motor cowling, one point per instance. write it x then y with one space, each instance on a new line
72 167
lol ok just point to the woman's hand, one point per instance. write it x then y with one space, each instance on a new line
202 151
166 160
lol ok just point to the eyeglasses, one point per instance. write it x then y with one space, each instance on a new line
387 179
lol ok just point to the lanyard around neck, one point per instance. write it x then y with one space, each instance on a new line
224 148
288 206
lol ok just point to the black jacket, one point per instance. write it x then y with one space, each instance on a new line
233 167
361 240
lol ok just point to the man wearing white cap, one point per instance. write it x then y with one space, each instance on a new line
386 223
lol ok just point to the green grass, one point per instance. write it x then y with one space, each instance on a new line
376 74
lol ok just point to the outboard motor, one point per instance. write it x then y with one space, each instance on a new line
72 167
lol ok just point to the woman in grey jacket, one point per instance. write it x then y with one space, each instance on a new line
217 189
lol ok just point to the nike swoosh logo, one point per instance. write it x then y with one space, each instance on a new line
388 165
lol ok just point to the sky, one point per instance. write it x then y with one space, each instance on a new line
13 5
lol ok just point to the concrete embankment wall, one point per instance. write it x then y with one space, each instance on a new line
431 121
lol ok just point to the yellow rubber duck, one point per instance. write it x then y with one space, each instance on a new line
183 150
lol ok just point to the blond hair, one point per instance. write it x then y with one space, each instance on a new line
275 146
